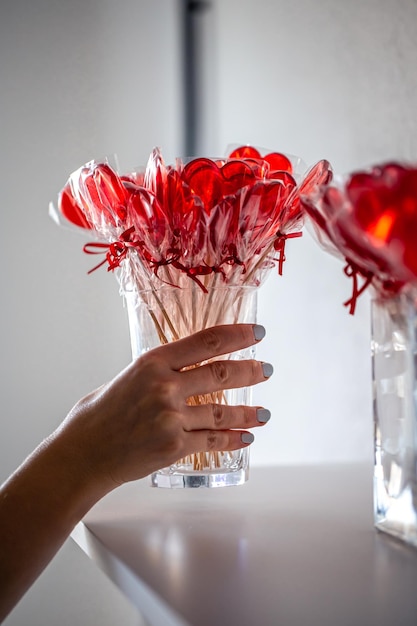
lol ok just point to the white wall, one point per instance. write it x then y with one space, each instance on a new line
319 79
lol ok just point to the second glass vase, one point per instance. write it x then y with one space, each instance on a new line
394 353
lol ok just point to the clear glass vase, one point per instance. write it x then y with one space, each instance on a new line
168 313
394 353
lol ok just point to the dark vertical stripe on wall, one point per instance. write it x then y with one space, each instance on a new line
193 13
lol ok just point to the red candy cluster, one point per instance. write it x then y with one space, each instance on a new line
201 217
372 221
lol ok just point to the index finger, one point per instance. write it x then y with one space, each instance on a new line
211 342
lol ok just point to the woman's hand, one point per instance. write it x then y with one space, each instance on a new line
137 423
140 421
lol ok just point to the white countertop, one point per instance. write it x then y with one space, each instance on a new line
294 546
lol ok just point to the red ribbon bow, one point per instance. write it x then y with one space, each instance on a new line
116 251
279 245
352 271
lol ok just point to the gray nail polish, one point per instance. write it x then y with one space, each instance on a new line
263 415
247 437
267 369
259 332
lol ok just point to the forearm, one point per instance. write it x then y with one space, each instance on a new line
39 506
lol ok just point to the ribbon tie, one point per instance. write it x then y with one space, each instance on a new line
279 245
115 252
352 271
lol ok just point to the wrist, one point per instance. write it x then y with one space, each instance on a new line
69 471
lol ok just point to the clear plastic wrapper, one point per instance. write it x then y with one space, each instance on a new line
369 218
199 220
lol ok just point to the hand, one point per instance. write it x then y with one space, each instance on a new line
140 421
134 425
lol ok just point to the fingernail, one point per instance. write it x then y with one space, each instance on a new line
263 415
247 437
259 332
267 369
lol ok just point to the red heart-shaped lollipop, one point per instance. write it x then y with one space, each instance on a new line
205 180
278 163
102 193
237 174
384 205
245 152
151 227
70 209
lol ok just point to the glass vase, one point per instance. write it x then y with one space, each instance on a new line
394 352
162 315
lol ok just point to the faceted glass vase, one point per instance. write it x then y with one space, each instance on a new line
168 313
394 352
